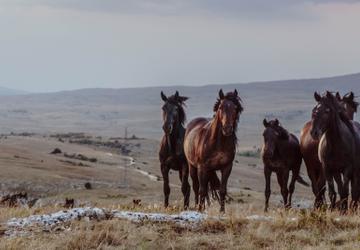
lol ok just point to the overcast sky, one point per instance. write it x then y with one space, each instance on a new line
50 45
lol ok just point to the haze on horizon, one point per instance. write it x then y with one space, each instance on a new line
70 44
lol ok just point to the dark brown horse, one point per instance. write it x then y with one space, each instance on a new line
351 106
171 148
339 148
309 150
281 154
210 145
349 103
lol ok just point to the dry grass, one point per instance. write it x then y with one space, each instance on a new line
310 230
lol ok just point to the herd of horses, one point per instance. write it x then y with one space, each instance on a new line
329 145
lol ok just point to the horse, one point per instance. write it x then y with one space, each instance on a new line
281 154
349 103
210 146
351 106
171 152
309 150
338 148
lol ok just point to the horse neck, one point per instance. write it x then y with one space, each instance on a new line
334 133
217 139
351 114
176 134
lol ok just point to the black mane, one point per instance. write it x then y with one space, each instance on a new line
180 103
330 101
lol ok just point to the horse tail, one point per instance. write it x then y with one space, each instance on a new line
214 182
302 181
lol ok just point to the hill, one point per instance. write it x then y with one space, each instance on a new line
109 111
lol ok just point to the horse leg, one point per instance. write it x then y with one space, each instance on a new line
203 177
347 178
165 173
295 174
283 177
314 178
355 194
195 183
225 173
185 186
267 173
321 189
342 192
332 193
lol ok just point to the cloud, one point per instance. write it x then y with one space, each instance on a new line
246 8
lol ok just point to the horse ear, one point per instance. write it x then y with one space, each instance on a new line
221 94
317 97
328 94
163 97
235 93
351 96
177 94
266 123
277 122
338 97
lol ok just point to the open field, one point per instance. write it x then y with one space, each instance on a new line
100 169
27 165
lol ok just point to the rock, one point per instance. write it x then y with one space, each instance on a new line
56 151
88 185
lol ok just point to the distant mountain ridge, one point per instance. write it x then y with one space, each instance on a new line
8 91
109 111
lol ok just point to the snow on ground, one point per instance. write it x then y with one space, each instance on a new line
257 217
49 222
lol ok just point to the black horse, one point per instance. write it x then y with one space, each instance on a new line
281 154
171 153
338 149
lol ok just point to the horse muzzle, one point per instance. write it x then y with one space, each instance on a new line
228 130
167 129
315 134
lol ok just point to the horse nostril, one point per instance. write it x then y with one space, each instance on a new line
315 134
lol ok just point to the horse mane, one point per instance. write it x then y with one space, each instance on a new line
180 103
283 133
330 100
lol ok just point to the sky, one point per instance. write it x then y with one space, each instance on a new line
52 45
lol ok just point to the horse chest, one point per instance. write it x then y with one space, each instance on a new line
335 157
219 159
275 164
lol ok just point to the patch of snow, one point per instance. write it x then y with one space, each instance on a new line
57 218
19 226
303 204
294 219
256 217
184 218
338 219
